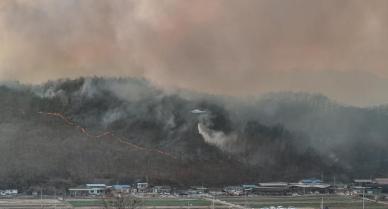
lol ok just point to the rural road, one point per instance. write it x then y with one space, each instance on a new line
228 204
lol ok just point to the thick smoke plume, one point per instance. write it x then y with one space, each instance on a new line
227 142
221 46
224 142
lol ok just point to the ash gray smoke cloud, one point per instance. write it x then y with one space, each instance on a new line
225 142
221 46
219 139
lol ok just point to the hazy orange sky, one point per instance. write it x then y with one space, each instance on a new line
335 47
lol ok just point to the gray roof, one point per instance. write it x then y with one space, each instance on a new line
363 180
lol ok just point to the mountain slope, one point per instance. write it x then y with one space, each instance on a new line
68 132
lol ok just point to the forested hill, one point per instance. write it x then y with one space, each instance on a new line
68 132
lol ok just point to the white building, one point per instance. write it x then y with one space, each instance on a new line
142 187
8 192
89 189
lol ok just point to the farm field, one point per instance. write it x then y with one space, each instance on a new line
145 202
333 202
33 204
300 202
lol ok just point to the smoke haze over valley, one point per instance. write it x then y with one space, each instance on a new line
250 47
171 90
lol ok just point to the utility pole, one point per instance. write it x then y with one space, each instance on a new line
245 198
41 197
322 203
55 198
363 197
214 196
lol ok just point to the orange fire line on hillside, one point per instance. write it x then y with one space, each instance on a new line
107 134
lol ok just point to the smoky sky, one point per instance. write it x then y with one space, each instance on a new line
338 48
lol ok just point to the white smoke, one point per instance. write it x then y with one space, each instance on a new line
113 115
217 138
88 88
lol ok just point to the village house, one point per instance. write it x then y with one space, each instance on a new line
88 189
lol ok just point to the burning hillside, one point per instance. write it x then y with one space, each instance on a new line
72 131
